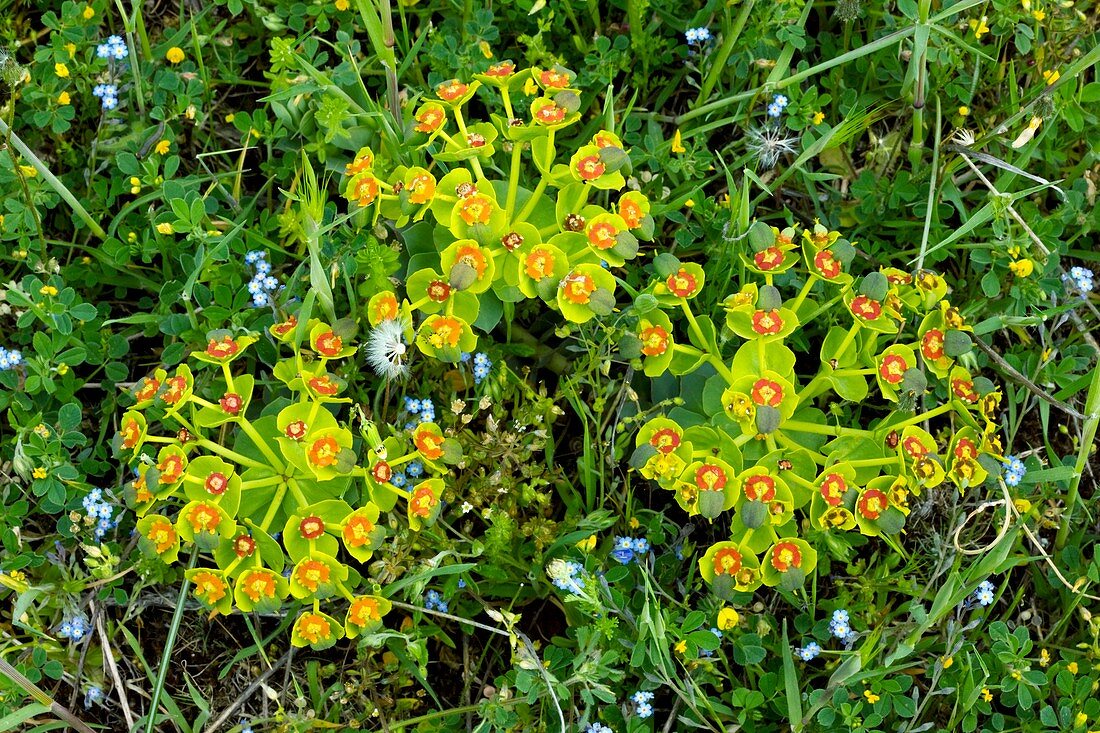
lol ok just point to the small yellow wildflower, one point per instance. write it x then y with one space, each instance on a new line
872 698
89 12
1023 506
165 228
634 523
485 49
131 237
28 170
1050 76
1044 658
61 70
588 543
947 661
987 695
964 111
1072 667
49 290
680 647
818 117
189 113
979 27
678 143
530 88
690 203
17 575
1022 268
19 254
254 133
42 430
135 184
1017 675
71 48
1038 15
728 618
63 369
40 472
1080 720
342 4
163 147
63 98
174 55
230 117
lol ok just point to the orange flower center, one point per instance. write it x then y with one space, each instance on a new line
323 452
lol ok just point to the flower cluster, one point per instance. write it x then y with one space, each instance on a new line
100 512
808 652
1014 471
263 283
642 706
840 626
698 36
423 409
278 521
597 728
568 576
107 95
984 593
627 549
74 629
408 476
768 455
777 105
10 358
482 365
113 48
1080 278
434 602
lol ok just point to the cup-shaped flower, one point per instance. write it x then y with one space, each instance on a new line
731 565
222 347
890 368
423 503
787 563
445 338
540 267
685 282
361 533
467 266
365 615
204 523
209 478
585 292
327 343
211 589
158 536
260 589
317 630
132 431
315 576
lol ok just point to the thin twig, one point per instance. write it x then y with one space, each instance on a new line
249 691
1077 320
112 667
1010 513
1011 372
